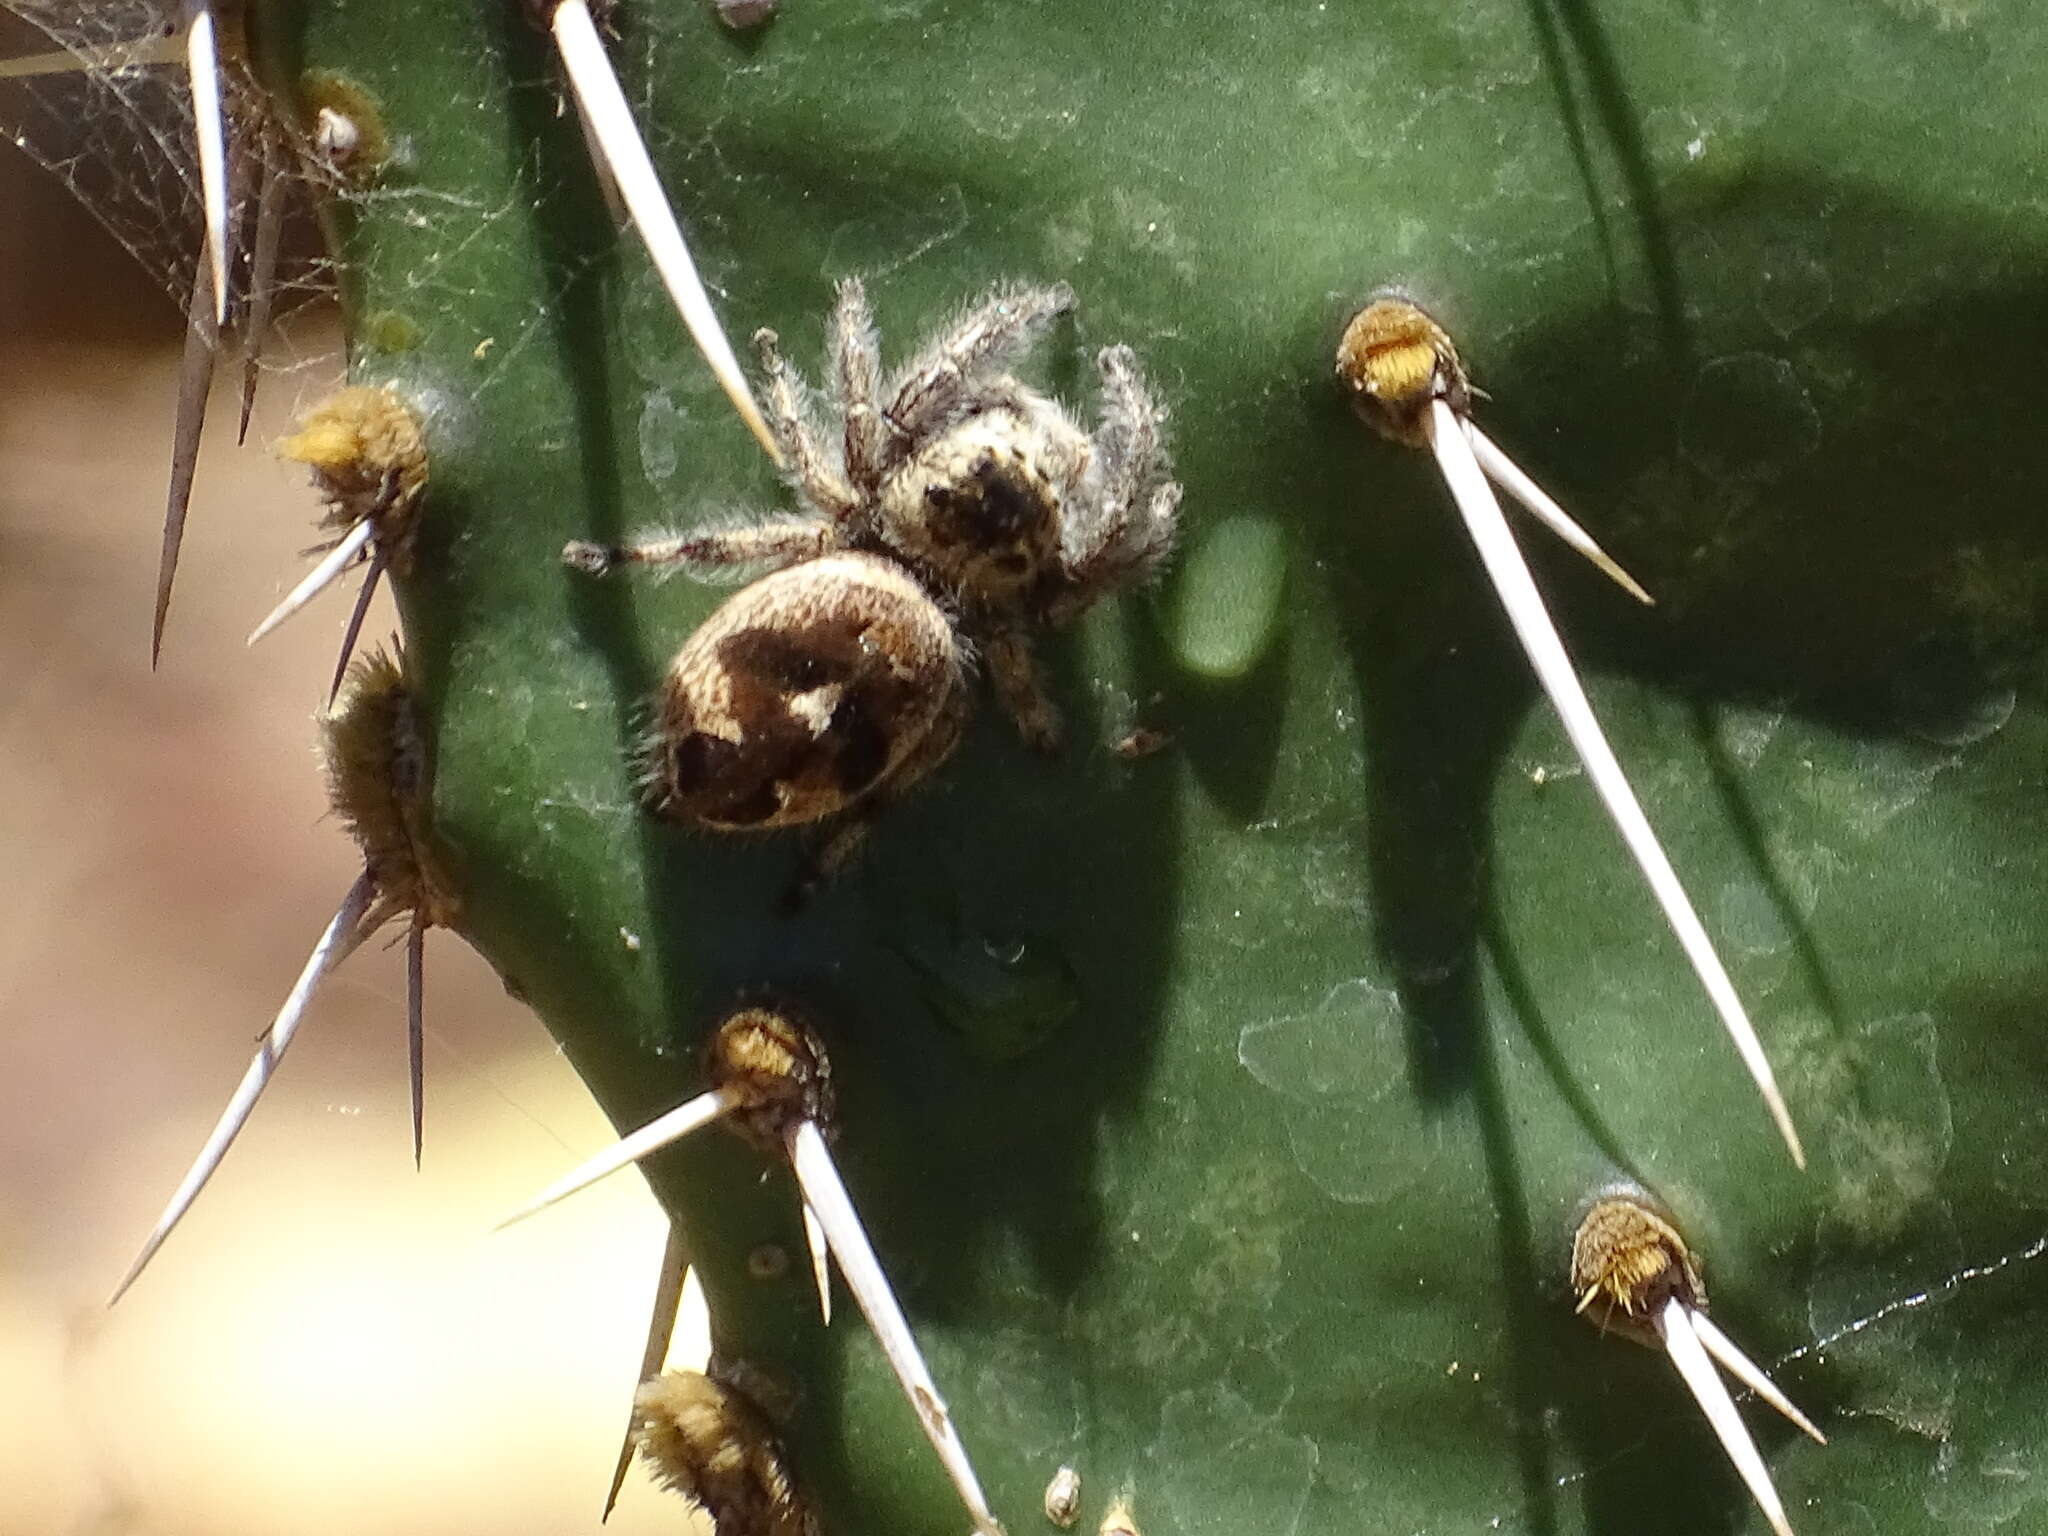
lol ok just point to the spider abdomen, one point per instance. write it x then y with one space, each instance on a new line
803 694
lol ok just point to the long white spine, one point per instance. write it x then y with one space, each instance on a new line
662 1131
1512 478
610 121
1751 1375
824 1194
331 565
342 935
1553 667
1675 1327
209 122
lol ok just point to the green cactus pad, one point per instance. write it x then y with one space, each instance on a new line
1222 1113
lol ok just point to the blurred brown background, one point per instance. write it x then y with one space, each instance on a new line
332 1342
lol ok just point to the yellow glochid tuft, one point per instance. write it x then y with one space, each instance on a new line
378 784
1394 359
769 1057
706 1441
369 459
1628 1259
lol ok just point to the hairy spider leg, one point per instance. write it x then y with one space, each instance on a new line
661 1331
843 839
195 382
857 363
778 542
804 458
610 120
1675 1325
988 333
1129 437
1143 547
352 923
1524 606
1512 478
209 122
1136 534
825 1194
1019 685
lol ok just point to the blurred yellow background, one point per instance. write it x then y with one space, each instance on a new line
331 1342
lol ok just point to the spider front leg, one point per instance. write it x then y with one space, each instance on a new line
1128 441
778 542
1138 509
809 464
857 360
1020 689
1130 551
930 388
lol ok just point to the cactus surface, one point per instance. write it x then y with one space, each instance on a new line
1223 1112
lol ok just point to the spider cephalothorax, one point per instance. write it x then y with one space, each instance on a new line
948 515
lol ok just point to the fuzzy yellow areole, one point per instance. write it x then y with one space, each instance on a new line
704 1440
369 460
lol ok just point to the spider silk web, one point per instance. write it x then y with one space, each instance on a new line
95 91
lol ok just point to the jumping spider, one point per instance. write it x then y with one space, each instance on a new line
958 510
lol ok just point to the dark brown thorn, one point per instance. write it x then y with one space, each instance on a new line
661 1330
195 380
355 623
416 1027
270 200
